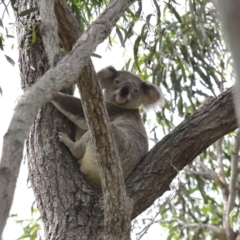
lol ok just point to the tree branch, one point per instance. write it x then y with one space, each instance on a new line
116 223
68 28
184 224
208 171
205 175
64 74
49 30
145 229
156 171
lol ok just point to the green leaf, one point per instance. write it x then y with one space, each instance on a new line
175 81
96 55
77 15
199 35
1 42
231 216
148 18
120 36
144 32
180 64
34 35
152 53
156 4
28 11
10 60
127 65
184 52
13 3
180 106
135 51
173 10
1 23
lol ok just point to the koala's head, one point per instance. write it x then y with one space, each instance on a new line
126 90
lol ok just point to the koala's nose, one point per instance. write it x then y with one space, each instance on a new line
125 89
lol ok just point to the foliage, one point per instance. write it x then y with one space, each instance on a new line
178 45
182 48
32 227
86 11
5 31
5 34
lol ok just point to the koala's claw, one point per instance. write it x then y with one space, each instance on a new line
62 136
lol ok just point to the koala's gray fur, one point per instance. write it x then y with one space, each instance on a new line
124 93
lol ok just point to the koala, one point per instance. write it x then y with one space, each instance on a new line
124 92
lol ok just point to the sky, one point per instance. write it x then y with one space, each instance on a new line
10 84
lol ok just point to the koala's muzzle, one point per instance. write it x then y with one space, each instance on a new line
125 89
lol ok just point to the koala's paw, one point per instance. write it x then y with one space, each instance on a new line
62 137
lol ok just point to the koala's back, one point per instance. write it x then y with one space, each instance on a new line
131 141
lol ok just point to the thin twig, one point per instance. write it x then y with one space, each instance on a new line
184 224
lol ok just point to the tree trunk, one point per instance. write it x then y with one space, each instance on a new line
69 208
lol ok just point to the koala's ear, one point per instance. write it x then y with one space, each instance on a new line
151 94
106 76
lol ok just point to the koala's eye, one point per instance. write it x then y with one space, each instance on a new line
117 81
136 90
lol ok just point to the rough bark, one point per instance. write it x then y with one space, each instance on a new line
64 74
68 207
59 189
117 205
9 168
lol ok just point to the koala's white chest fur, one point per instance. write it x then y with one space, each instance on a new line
131 143
89 168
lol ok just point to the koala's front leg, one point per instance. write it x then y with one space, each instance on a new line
71 107
76 148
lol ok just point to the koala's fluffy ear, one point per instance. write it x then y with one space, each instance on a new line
151 94
106 76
